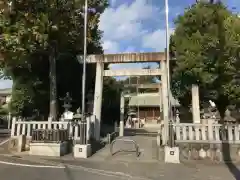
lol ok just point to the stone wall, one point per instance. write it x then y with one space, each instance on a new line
220 152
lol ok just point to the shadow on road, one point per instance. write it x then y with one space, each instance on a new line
226 153
68 173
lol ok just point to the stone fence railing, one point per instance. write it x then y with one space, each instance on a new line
207 133
26 127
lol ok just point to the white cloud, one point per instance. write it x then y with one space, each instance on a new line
124 26
110 46
156 40
126 21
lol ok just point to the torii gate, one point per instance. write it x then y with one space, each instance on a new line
127 58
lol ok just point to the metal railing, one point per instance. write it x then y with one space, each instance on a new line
124 140
112 136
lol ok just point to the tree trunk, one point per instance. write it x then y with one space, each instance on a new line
53 83
222 104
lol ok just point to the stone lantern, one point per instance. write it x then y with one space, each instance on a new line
67 115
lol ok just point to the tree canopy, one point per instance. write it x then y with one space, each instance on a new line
207 52
28 30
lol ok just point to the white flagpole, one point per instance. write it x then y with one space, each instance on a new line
84 58
167 50
170 125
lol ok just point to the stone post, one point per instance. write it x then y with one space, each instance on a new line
13 126
98 98
195 104
121 125
88 130
177 117
9 120
165 102
49 123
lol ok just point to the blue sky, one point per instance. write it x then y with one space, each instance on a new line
138 26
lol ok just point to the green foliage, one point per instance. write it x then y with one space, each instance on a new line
22 99
206 47
28 31
4 110
111 100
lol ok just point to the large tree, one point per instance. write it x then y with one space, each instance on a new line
35 33
207 52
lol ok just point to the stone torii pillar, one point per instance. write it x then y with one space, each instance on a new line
97 109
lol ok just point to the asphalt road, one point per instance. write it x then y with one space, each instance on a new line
17 169
11 172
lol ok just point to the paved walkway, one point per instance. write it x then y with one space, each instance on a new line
126 151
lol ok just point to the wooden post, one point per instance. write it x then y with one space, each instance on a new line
98 98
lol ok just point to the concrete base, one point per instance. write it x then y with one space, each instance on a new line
171 154
48 149
82 150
